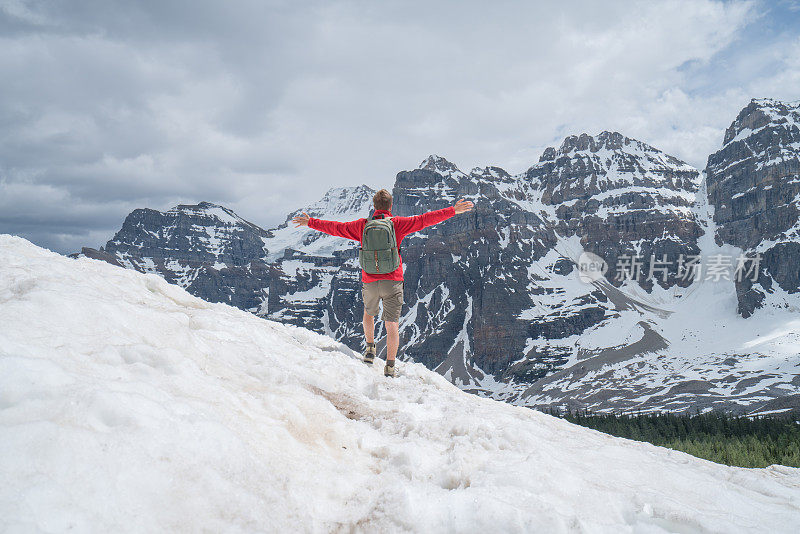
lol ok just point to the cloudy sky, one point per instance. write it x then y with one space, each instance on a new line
107 106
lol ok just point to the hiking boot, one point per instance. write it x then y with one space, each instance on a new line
388 370
369 354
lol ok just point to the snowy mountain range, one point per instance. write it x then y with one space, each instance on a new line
694 306
129 405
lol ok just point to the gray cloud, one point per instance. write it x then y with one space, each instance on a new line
108 106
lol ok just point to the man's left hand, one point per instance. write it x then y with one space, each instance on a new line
301 220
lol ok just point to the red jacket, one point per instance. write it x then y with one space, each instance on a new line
402 227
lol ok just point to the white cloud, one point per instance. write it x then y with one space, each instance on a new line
263 106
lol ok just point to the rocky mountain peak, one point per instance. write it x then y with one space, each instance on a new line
440 165
207 214
585 142
760 113
490 173
576 143
340 201
586 164
336 193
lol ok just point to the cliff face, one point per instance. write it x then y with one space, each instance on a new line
467 278
622 197
205 248
494 299
754 186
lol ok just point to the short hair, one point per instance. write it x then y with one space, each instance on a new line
382 200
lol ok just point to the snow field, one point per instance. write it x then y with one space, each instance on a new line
128 405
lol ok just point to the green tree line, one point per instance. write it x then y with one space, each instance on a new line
720 437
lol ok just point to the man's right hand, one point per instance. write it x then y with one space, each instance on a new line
463 206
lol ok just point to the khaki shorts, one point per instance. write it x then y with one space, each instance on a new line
390 292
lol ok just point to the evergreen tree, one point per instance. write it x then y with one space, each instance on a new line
716 436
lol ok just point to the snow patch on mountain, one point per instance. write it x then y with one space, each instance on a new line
338 204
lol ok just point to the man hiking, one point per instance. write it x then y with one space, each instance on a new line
381 265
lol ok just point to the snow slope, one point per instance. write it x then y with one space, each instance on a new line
127 404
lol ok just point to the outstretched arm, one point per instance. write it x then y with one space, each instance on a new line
407 225
348 230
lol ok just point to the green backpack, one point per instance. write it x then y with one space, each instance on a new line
379 253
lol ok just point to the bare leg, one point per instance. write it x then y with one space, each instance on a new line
392 340
369 328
